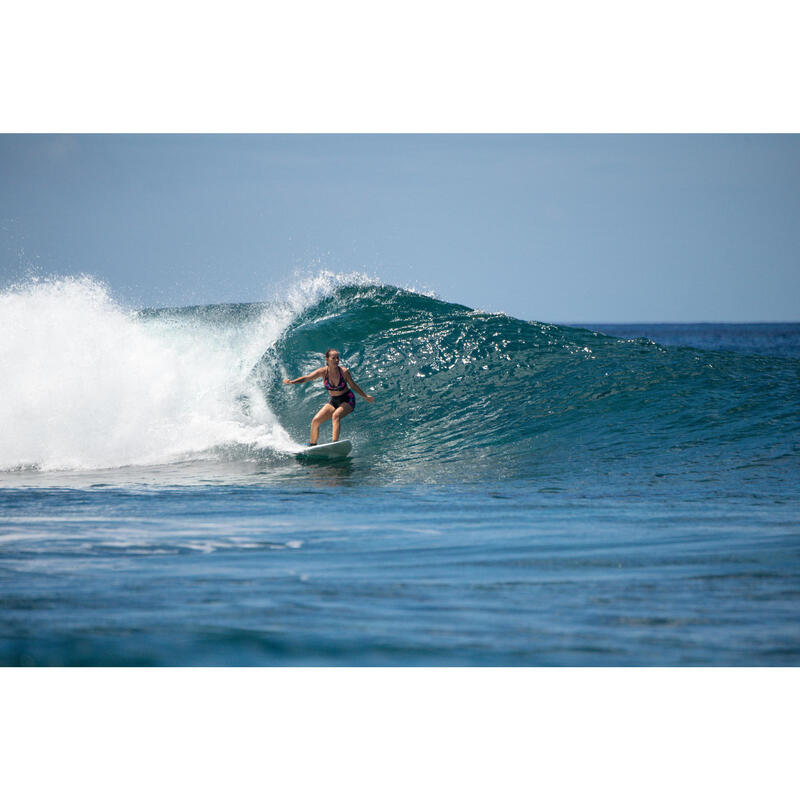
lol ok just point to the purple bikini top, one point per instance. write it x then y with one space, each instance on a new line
340 387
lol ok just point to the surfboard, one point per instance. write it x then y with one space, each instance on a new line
327 451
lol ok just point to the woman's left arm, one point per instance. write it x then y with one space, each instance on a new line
353 385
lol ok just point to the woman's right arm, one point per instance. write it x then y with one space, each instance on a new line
310 377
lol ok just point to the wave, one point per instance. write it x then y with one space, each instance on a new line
492 393
90 384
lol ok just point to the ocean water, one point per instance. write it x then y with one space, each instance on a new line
520 493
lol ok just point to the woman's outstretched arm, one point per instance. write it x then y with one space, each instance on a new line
310 377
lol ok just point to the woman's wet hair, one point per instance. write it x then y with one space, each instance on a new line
329 351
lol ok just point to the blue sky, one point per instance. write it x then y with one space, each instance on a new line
578 228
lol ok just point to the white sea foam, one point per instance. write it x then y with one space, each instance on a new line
89 384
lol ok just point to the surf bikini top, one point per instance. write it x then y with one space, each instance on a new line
342 384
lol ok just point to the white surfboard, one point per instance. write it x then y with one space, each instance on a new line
327 451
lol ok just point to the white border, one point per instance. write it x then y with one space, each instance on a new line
424 65
398 733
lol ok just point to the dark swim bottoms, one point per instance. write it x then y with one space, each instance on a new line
344 398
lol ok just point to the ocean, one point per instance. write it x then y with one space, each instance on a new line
521 493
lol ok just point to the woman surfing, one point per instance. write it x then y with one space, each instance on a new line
341 400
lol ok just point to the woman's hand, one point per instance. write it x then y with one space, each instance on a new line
370 398
286 380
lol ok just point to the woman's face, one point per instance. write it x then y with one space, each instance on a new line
333 359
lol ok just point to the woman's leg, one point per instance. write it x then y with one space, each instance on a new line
320 417
343 410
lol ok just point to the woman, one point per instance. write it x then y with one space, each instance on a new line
341 401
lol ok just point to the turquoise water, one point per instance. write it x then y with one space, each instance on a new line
520 493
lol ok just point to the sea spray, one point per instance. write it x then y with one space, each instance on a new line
88 384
